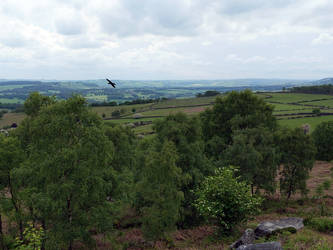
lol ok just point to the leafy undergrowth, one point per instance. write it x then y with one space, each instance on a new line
317 233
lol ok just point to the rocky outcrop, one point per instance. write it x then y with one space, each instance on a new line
266 228
274 245
248 237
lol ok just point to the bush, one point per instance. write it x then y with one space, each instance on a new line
226 199
115 113
322 224
323 138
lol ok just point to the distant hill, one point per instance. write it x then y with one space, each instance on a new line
322 81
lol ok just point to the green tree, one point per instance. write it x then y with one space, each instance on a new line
316 111
160 191
185 133
226 200
323 139
254 152
116 113
35 102
297 156
237 110
11 156
67 173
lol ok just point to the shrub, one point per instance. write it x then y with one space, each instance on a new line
321 224
226 199
32 239
115 113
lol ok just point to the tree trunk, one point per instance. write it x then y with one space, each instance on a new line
15 206
2 245
44 228
69 218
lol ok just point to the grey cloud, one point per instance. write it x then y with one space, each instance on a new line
169 18
235 7
71 26
83 43
14 41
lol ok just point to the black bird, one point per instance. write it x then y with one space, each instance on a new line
111 83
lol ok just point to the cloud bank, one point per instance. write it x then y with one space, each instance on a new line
174 39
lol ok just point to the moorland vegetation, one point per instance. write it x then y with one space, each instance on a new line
70 180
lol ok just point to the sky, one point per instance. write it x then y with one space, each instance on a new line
166 39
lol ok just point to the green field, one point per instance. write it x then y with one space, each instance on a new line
312 121
326 103
14 100
185 102
293 97
9 118
194 106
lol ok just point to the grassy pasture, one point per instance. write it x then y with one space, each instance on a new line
326 103
278 107
293 97
185 102
313 121
131 120
107 110
14 100
9 118
165 112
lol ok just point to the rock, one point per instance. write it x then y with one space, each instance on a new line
247 238
274 245
268 227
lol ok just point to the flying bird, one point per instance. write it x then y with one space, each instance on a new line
111 83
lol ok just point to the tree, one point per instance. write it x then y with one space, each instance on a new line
236 111
35 102
323 139
160 188
254 152
316 111
297 156
11 156
185 133
226 199
115 113
67 172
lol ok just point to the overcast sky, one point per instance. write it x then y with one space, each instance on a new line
166 39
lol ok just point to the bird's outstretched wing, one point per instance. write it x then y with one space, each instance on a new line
111 83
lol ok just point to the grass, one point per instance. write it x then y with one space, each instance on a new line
278 106
14 100
312 121
326 103
9 118
143 129
129 120
294 97
127 109
185 102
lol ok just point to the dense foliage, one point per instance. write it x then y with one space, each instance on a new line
67 173
326 89
323 138
208 93
297 156
226 199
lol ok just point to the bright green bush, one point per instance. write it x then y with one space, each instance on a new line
32 238
226 200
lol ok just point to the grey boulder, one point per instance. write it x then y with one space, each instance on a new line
274 245
268 227
247 238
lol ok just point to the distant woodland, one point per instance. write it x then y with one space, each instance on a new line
326 89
